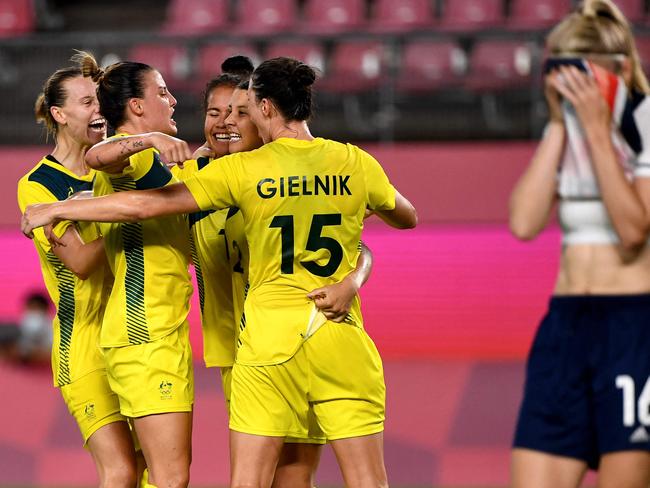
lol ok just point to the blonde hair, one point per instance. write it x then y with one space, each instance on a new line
55 95
88 65
598 27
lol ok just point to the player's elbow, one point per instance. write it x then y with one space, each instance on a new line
633 240
79 269
523 228
411 220
407 217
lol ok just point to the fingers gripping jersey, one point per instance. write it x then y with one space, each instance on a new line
149 259
303 204
79 303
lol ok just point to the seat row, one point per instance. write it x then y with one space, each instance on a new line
258 17
419 65
359 65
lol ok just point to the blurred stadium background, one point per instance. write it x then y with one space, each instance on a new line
445 93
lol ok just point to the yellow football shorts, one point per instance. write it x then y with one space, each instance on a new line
155 377
92 403
304 436
332 388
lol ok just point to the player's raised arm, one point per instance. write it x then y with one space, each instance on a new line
113 154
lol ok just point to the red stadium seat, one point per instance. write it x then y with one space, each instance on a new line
429 65
16 17
355 66
172 61
539 14
262 16
498 65
634 10
310 53
471 14
402 15
196 17
211 56
329 16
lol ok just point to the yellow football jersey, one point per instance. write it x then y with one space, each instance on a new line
149 259
211 259
79 303
239 258
303 204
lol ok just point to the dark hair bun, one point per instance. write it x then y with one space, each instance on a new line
303 75
238 66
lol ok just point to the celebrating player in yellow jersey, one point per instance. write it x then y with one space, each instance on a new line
303 200
300 456
145 335
75 274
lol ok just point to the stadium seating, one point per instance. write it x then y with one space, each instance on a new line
355 66
401 15
308 52
643 47
632 9
16 17
429 65
257 17
172 61
211 56
331 16
196 17
496 65
540 14
470 15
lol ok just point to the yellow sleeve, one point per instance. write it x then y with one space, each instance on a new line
31 193
217 185
140 163
380 192
188 170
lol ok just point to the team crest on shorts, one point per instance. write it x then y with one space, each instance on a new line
165 390
89 410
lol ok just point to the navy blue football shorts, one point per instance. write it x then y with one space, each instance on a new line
587 387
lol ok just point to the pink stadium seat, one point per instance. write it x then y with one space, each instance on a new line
329 16
262 16
310 53
196 17
211 56
355 66
643 47
472 14
429 65
402 15
498 65
539 14
632 9
16 17
172 61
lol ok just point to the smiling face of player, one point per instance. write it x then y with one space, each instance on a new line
157 104
78 117
243 133
214 127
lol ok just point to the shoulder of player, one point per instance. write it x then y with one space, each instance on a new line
56 181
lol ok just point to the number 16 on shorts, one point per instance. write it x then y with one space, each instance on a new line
631 406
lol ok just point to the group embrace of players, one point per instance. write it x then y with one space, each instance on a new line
272 218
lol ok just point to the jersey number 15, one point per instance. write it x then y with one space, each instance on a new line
315 241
